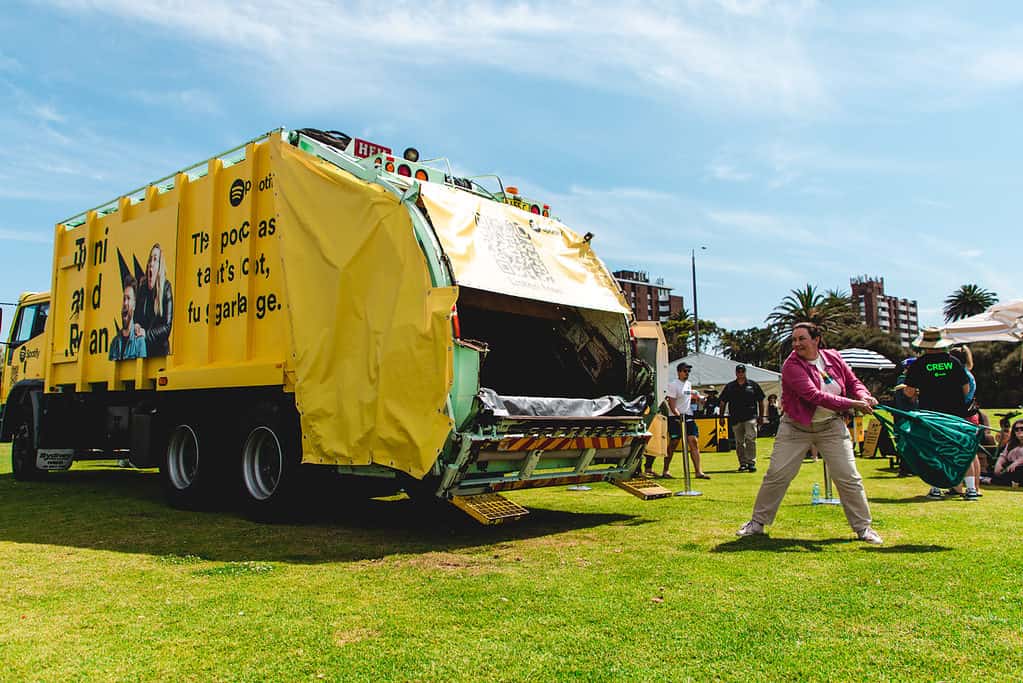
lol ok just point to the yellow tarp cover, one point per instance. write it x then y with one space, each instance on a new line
372 338
499 248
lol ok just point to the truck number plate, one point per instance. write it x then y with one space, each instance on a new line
55 458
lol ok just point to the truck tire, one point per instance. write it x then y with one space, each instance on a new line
23 453
190 469
271 471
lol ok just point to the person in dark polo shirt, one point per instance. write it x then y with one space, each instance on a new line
939 383
745 402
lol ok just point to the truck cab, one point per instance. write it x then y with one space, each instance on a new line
22 351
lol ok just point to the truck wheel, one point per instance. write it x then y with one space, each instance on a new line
188 469
270 468
23 453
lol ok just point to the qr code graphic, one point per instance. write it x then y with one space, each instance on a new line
513 250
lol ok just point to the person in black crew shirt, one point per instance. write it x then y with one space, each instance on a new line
939 383
745 401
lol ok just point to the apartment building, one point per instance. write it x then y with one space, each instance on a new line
885 312
649 300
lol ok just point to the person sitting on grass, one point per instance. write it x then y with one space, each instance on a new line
1009 466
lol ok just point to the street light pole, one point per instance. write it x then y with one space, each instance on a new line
696 308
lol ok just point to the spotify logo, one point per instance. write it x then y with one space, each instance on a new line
238 190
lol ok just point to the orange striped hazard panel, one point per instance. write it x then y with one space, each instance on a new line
578 443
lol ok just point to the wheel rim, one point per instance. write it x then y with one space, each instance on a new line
183 457
262 463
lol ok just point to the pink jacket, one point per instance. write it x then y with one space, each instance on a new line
801 386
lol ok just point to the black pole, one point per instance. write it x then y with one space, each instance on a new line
696 308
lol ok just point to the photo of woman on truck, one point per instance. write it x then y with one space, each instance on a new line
155 306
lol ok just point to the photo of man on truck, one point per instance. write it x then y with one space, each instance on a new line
128 344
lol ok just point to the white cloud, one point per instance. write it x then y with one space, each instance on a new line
761 225
999 67
191 100
745 55
727 172
25 236
48 113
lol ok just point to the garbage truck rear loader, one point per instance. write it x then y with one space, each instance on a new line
309 302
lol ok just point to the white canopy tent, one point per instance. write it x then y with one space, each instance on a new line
715 372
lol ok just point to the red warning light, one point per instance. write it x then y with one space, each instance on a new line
405 170
422 174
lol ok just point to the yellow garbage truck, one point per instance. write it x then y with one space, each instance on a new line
309 302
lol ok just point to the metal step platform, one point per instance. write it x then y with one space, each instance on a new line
489 508
643 488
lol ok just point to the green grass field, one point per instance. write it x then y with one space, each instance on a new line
100 581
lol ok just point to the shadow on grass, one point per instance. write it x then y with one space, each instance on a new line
775 544
910 548
772 544
920 500
123 510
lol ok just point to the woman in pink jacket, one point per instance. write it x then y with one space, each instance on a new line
816 387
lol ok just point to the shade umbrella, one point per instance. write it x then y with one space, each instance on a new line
1010 312
865 359
985 327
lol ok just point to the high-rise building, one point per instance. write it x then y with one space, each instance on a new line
649 301
887 313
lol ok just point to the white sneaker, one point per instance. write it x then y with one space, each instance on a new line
870 536
750 528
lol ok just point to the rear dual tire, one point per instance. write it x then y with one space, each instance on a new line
272 476
193 468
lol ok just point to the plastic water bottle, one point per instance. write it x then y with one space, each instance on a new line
815 494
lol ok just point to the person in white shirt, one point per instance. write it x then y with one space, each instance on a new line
680 401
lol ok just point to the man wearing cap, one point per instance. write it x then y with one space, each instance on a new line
939 383
680 399
744 400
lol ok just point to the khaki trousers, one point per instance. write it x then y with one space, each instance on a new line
746 441
835 446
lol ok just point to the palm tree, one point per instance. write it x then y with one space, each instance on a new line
966 301
830 312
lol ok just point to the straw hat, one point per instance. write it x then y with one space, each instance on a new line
930 338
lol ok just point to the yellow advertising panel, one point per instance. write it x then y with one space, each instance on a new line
113 293
500 248
372 339
173 283
713 434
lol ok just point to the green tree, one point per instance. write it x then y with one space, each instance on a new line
831 312
966 301
679 332
753 345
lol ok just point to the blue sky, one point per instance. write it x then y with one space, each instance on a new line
800 142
